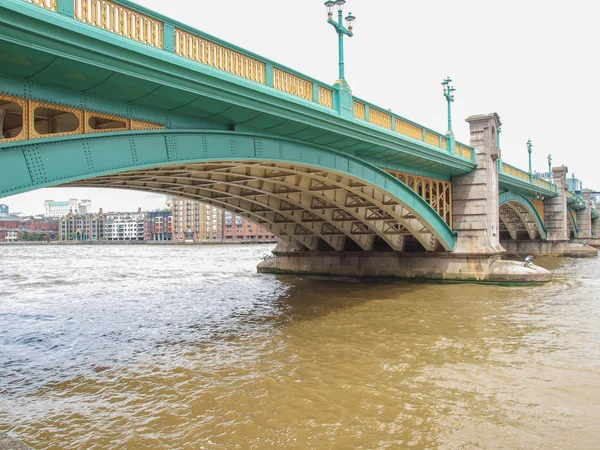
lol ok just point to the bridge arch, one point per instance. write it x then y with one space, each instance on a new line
306 194
517 214
572 228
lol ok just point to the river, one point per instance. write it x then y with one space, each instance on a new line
187 347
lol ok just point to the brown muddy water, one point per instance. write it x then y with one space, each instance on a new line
151 347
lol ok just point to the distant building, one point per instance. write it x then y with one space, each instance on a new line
27 228
60 209
574 184
3 209
82 227
125 226
238 229
158 226
196 222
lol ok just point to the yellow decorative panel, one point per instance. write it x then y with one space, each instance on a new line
437 193
49 120
466 152
139 125
445 143
18 131
292 84
542 183
120 20
380 118
222 58
539 207
325 97
48 4
408 129
359 110
432 139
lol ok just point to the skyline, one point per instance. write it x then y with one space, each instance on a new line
509 60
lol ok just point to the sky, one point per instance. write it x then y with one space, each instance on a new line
534 62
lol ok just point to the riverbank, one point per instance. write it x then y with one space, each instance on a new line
135 243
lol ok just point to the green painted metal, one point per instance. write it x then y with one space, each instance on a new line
573 222
449 94
168 37
30 165
50 56
100 66
66 7
524 187
529 150
512 197
341 31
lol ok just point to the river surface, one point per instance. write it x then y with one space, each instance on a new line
173 347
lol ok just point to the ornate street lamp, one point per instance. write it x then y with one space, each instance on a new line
550 166
529 150
449 94
341 30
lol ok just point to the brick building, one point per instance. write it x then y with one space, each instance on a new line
158 226
82 227
196 222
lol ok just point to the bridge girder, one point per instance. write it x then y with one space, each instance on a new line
304 194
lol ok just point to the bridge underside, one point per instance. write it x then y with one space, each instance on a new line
519 218
312 209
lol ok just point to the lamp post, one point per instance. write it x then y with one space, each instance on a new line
499 148
449 94
550 166
341 30
529 150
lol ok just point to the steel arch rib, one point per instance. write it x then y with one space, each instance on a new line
30 165
512 197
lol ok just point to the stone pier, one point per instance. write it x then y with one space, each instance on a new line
584 216
477 255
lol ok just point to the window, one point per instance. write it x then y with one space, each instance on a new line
100 123
53 121
11 119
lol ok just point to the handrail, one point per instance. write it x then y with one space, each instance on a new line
135 22
520 174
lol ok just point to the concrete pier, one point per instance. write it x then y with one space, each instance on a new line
423 266
568 249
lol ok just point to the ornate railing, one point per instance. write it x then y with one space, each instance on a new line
120 20
517 173
292 84
542 183
48 4
219 57
438 193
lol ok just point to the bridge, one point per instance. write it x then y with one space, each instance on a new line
100 93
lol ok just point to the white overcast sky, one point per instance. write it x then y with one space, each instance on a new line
534 62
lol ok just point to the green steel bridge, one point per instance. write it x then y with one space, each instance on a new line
102 93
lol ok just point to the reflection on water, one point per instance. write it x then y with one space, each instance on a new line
145 347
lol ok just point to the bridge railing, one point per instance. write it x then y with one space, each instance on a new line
375 115
140 24
525 176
